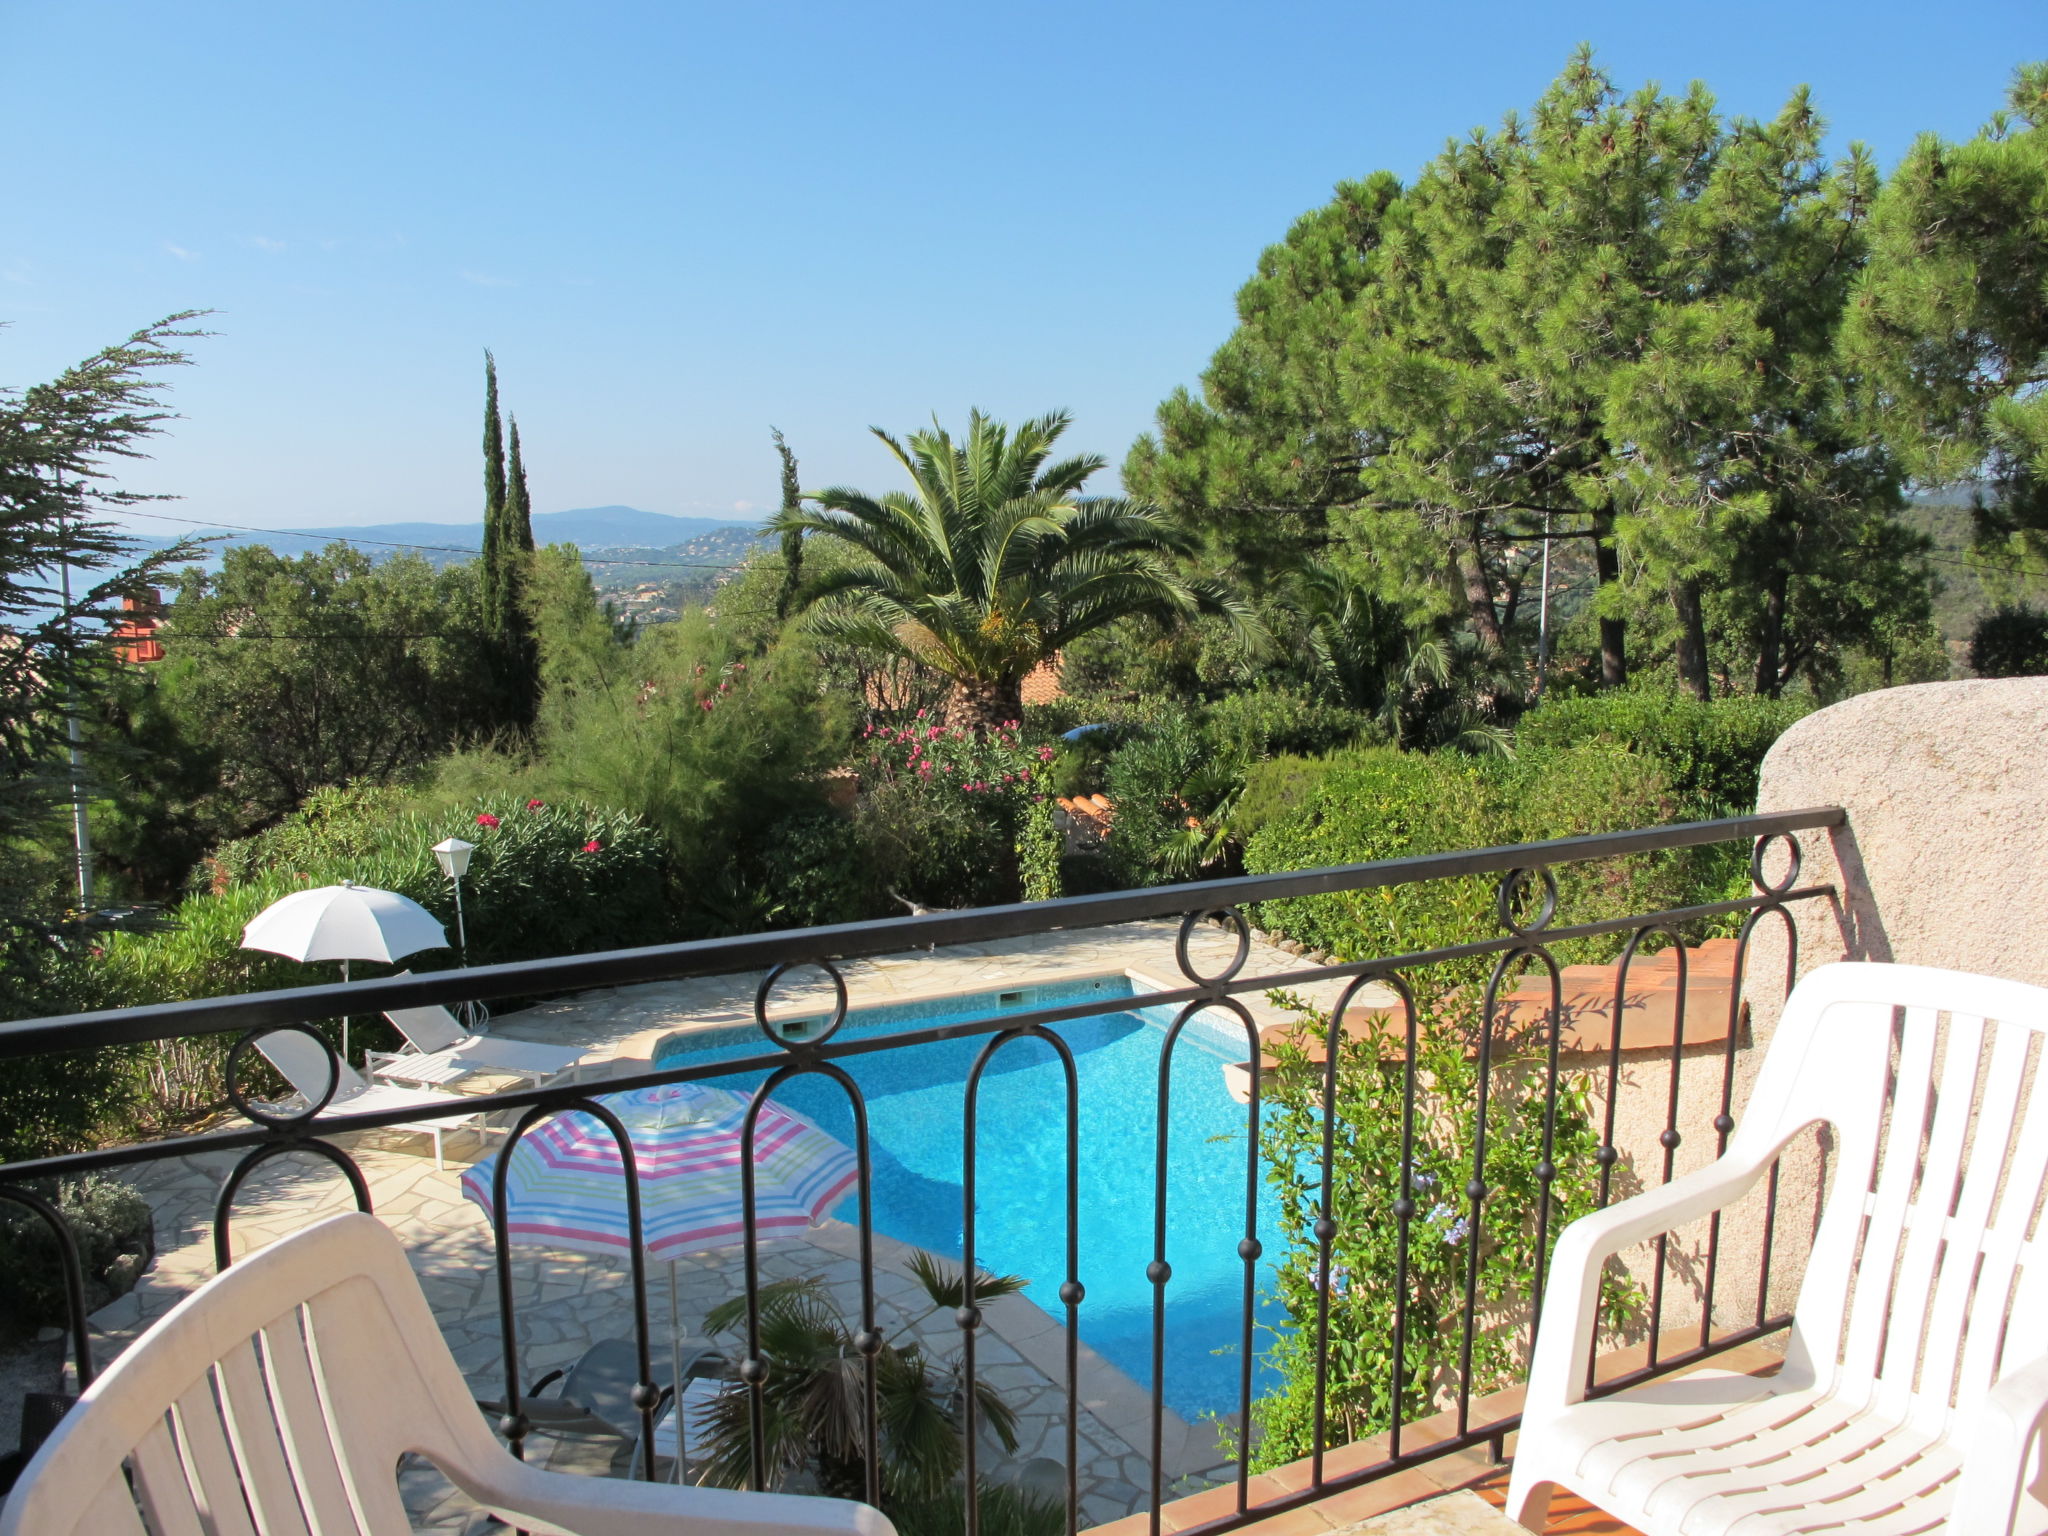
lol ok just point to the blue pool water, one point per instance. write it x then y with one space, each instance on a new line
916 1098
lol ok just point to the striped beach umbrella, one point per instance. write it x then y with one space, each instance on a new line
566 1185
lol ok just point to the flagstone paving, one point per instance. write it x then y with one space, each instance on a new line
566 1301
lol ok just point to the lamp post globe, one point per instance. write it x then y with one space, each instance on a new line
452 854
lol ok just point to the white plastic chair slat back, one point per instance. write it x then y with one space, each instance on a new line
432 1028
163 1486
216 1481
112 1512
304 1066
253 1433
2026 1333
1912 1329
1951 1318
1884 1232
302 1425
1817 1073
361 1398
351 1355
2000 1274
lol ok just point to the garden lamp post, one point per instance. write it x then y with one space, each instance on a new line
453 856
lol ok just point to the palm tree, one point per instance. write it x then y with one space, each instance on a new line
1424 687
994 561
812 1401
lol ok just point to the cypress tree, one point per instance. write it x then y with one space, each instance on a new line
792 538
518 652
517 522
492 566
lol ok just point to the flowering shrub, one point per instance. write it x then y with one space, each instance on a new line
941 808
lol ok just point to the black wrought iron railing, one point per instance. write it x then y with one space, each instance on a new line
1526 944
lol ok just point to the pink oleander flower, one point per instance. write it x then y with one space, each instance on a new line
920 714
534 805
486 819
1046 754
706 704
593 846
935 732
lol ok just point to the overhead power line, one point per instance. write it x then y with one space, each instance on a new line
446 549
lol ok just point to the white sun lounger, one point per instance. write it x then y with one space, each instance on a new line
443 1052
305 1067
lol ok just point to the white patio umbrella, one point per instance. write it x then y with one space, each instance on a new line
344 922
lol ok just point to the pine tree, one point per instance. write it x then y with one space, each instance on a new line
1613 324
1949 325
792 537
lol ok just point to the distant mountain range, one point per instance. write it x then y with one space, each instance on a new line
591 527
612 531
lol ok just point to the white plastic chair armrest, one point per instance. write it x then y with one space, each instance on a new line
596 1506
1564 1337
1997 1436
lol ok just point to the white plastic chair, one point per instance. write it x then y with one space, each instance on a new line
1915 1384
277 1399
444 1052
305 1067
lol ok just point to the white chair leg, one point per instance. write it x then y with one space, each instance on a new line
439 1164
1529 1500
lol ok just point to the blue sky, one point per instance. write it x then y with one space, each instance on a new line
679 223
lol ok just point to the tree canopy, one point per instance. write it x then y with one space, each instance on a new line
1612 325
993 561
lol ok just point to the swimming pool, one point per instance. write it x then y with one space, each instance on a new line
916 1098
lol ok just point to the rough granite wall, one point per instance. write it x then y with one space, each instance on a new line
1945 857
1943 861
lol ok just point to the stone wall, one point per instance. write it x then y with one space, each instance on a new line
1943 861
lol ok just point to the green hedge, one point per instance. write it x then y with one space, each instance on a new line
547 879
1710 751
1380 803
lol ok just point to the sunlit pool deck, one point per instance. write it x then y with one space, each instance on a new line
567 1301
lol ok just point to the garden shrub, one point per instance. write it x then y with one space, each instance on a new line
115 1233
941 809
61 1101
1149 780
547 878
544 880
812 870
1278 788
1363 1381
2010 641
1040 845
1711 752
1380 803
1265 722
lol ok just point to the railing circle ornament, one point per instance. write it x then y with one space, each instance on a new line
238 1055
1236 919
809 1038
1513 886
1794 856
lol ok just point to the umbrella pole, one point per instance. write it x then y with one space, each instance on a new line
344 1018
675 1370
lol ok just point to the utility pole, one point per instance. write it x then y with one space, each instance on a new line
1543 615
81 828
